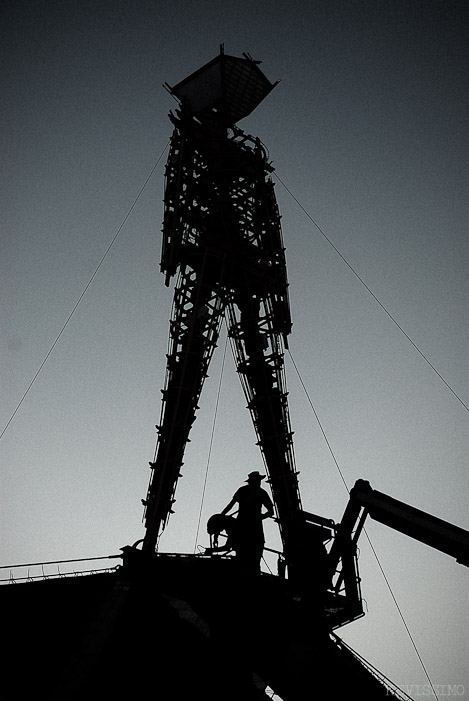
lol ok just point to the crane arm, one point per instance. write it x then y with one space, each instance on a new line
424 527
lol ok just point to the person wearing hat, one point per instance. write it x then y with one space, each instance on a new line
249 537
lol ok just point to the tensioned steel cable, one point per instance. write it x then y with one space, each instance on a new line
318 420
364 530
59 562
77 303
400 613
211 441
371 292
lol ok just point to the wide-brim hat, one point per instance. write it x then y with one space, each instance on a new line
255 476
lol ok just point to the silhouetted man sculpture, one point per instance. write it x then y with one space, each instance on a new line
249 534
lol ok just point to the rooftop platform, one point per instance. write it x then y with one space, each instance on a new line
174 626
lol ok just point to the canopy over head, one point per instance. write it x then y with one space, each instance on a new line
227 88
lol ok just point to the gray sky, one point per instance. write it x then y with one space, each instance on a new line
367 128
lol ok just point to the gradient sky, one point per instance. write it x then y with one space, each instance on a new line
368 130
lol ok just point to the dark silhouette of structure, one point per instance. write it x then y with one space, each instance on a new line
164 625
222 236
223 239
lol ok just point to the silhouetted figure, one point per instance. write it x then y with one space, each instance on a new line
249 534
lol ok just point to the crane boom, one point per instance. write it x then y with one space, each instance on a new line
417 524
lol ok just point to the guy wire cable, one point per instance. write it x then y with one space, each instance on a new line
372 293
77 303
364 529
211 440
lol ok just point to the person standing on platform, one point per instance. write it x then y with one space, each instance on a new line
249 538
